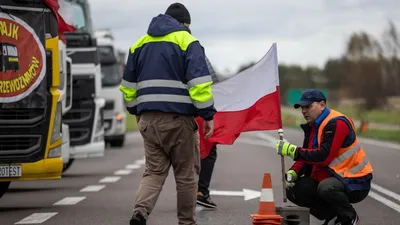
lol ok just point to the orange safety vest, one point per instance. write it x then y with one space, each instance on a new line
350 162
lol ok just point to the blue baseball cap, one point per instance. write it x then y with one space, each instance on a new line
310 96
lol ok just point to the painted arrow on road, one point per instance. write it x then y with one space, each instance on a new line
246 193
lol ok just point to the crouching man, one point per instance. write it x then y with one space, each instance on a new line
331 171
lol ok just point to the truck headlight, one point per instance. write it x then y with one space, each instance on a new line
56 133
55 152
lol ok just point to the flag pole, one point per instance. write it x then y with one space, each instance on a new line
280 132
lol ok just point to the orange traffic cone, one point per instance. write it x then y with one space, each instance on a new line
266 209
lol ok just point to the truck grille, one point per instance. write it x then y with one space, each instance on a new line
80 121
21 116
109 105
19 144
81 116
84 88
23 134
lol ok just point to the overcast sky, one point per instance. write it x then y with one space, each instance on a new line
306 32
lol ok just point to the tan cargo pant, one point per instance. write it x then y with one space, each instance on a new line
169 139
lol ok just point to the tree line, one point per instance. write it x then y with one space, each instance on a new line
368 70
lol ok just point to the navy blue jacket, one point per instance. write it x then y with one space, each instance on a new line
167 71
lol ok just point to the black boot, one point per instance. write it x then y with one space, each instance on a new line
137 219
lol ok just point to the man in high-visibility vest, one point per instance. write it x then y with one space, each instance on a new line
166 84
331 170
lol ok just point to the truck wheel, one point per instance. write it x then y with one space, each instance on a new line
4 187
118 142
68 165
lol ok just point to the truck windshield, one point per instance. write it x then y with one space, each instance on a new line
110 74
78 20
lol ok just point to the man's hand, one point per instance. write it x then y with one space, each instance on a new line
285 148
291 177
208 128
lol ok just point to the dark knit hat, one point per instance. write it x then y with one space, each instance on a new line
179 12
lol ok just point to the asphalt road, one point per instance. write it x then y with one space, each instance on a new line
101 191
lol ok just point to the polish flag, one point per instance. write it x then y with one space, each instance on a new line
58 12
248 101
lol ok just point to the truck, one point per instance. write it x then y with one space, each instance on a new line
85 118
30 99
114 109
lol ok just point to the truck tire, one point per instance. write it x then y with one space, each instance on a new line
118 142
4 187
68 165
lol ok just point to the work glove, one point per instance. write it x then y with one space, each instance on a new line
286 149
290 178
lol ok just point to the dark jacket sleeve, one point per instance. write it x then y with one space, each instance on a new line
199 80
334 135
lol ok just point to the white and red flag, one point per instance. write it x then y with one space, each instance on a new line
248 101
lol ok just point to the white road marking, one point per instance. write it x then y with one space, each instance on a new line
385 191
380 143
36 218
246 193
69 201
141 161
92 188
122 172
384 201
133 166
199 208
110 179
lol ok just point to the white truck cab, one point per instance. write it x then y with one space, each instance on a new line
111 76
85 118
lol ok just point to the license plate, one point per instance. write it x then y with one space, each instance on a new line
10 170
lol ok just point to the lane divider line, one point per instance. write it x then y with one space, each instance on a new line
37 218
384 201
122 172
92 188
111 179
69 201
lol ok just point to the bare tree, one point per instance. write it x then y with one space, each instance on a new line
391 46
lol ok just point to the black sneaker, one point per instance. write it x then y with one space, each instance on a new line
205 201
330 221
137 219
354 221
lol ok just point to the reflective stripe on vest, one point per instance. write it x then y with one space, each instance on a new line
192 85
181 38
359 165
